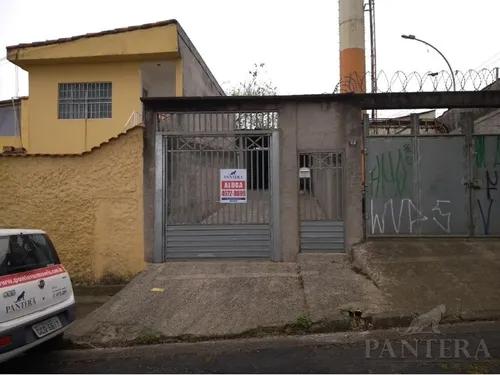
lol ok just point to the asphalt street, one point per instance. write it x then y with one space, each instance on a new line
463 348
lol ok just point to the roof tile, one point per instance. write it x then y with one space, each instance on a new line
92 35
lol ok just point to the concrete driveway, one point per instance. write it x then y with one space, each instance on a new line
222 299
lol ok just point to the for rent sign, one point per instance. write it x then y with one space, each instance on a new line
233 186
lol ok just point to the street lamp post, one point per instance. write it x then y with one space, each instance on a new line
412 37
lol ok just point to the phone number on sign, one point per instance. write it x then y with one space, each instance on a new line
233 193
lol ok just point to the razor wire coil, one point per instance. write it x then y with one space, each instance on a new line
400 81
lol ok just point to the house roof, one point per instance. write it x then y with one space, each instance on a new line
180 32
92 35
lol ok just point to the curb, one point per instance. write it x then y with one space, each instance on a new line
352 323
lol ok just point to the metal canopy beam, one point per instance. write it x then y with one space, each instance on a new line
415 100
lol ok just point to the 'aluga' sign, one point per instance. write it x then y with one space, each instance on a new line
233 186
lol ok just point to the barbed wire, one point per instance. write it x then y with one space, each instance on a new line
470 80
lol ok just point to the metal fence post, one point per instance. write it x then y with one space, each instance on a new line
467 124
417 193
159 224
364 155
276 253
414 123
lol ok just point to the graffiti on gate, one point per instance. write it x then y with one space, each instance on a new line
401 216
480 151
487 164
391 174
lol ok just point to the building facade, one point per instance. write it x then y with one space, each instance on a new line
86 89
71 154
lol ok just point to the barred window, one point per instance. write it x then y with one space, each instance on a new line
85 100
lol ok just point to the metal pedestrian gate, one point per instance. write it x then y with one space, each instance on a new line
321 201
196 149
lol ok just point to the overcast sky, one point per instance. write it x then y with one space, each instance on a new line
297 40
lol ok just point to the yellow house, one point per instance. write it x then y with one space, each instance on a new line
71 154
86 89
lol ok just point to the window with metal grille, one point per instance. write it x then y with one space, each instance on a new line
85 100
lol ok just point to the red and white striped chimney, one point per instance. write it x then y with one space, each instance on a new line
352 46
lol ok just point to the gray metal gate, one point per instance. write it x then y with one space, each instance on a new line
416 185
485 194
435 185
196 146
321 201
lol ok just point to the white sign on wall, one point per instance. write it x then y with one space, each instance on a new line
304 172
233 186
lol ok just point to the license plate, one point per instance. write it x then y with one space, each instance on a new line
47 326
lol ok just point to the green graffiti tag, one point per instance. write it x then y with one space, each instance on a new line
487 164
497 152
390 176
480 151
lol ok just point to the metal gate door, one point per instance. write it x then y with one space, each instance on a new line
321 201
198 223
485 192
416 185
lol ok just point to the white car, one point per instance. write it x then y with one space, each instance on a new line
36 295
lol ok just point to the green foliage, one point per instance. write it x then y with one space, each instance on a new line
303 322
478 368
255 84
148 338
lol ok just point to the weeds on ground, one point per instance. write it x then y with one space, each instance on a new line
148 338
477 368
303 322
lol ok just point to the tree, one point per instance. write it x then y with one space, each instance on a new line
256 84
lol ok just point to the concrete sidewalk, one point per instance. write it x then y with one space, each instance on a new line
419 274
386 283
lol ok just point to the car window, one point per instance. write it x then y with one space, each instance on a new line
24 252
4 248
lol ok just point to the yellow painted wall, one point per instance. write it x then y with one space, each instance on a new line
14 141
50 135
115 57
91 206
112 57
25 123
152 43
